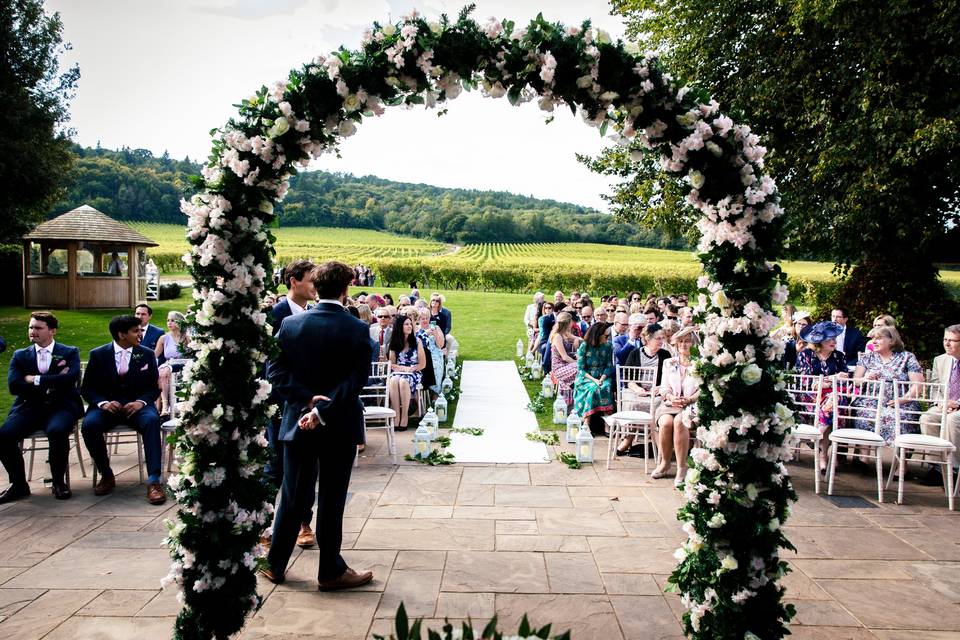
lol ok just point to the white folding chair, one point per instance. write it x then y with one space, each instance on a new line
44 445
377 413
928 394
170 426
634 416
806 391
857 399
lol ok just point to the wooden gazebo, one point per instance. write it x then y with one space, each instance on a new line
76 261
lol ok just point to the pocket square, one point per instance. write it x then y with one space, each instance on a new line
144 367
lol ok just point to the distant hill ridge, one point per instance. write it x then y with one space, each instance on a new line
135 185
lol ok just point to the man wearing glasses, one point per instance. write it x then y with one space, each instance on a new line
382 330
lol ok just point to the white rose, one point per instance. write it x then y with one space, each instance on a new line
717 521
751 374
680 554
720 299
752 492
389 30
584 81
280 126
351 102
266 207
693 476
773 525
603 37
782 411
347 128
729 563
696 179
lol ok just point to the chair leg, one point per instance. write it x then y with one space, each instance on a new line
903 474
893 467
33 453
816 465
833 469
949 466
879 474
140 457
646 444
76 440
612 443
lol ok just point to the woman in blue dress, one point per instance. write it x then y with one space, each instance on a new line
822 358
593 387
407 360
432 339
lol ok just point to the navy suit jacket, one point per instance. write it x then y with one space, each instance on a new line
57 388
622 348
323 351
853 343
150 337
279 311
102 383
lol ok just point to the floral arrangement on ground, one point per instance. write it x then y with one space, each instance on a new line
738 490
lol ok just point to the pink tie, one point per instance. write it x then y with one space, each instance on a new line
44 364
124 363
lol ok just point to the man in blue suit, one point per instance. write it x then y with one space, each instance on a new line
851 342
43 377
623 345
121 386
149 334
323 365
301 294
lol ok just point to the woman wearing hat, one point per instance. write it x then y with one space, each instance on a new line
794 344
680 390
822 358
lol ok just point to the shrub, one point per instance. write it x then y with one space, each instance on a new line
170 291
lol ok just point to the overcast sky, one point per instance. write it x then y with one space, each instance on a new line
160 75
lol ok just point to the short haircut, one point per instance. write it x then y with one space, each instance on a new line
842 310
48 319
595 333
637 319
954 328
650 329
298 270
123 324
145 306
332 278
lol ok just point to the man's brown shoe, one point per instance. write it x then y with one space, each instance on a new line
105 486
306 539
349 580
155 493
271 576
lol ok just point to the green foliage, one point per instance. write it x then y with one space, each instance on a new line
35 95
549 437
537 405
435 458
568 459
405 630
170 291
470 431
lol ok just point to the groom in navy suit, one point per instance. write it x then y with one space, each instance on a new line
121 386
324 363
43 377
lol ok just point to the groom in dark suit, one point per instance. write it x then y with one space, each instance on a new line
43 377
121 386
324 362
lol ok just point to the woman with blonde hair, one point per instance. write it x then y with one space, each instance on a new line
563 358
670 329
680 390
365 314
170 346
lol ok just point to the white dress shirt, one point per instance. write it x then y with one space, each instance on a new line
118 352
43 367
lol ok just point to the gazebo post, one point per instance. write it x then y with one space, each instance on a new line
26 273
71 275
132 272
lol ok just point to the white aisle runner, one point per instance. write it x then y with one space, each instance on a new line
493 397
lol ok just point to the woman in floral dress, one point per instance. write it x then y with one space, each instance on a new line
888 361
822 358
407 360
433 341
593 389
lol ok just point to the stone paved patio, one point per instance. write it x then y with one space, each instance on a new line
587 550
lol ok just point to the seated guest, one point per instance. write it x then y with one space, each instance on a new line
680 390
404 302
120 387
600 315
946 371
881 321
381 332
545 328
149 334
795 344
440 314
888 361
43 378
850 340
388 299
375 302
822 358
623 345
686 316
170 346
407 360
421 304
786 323
414 293
364 313
433 341
593 388
670 328
563 359
557 299
586 319
653 314
651 354
530 316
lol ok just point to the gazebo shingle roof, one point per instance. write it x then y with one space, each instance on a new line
86 223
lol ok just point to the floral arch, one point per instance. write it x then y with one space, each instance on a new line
738 490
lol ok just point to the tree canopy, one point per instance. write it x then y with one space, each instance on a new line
35 94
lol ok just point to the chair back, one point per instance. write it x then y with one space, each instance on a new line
926 395
172 395
855 400
645 378
806 392
375 392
